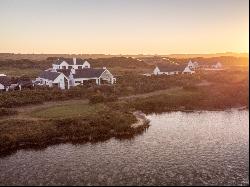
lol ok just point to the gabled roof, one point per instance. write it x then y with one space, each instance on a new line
88 73
190 62
66 72
70 61
4 80
171 67
49 75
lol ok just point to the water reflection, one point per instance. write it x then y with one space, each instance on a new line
178 148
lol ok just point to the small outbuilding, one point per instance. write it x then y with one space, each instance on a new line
5 83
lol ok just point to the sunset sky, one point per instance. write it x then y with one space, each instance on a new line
124 26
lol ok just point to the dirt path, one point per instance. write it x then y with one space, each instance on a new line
154 93
29 108
24 111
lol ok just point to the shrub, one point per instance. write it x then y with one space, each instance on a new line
7 112
111 98
190 87
96 99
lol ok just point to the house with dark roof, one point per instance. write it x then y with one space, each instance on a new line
68 63
53 79
173 69
99 75
5 83
66 73
169 69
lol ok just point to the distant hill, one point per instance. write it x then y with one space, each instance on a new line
18 56
207 55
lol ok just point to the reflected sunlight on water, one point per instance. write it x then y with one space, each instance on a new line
205 148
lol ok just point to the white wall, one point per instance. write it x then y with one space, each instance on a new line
156 71
188 70
86 64
1 87
60 81
82 80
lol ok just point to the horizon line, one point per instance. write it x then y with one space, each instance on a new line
229 52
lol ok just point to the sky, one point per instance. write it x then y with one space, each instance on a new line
124 26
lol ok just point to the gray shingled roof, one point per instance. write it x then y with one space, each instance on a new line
88 73
79 61
4 80
171 67
66 72
49 75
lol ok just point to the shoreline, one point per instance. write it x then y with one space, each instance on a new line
210 110
95 136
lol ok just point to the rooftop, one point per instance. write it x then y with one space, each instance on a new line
88 73
70 61
49 75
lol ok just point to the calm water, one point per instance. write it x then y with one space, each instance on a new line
178 149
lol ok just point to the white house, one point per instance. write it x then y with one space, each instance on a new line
52 78
167 69
218 65
5 83
68 63
191 65
99 75
188 70
75 72
172 69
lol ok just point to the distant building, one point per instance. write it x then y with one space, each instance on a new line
68 63
188 70
210 66
173 69
5 83
218 65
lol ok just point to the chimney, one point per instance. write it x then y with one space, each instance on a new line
74 60
73 71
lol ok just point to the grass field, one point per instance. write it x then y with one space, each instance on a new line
17 72
70 110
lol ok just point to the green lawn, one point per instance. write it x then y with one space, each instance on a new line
70 110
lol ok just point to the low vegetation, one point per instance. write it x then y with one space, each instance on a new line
68 123
7 112
108 110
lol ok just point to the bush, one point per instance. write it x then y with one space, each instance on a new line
111 98
190 87
96 99
7 112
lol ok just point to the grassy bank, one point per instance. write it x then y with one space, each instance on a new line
188 100
67 123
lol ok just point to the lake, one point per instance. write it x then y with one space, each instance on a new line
199 148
